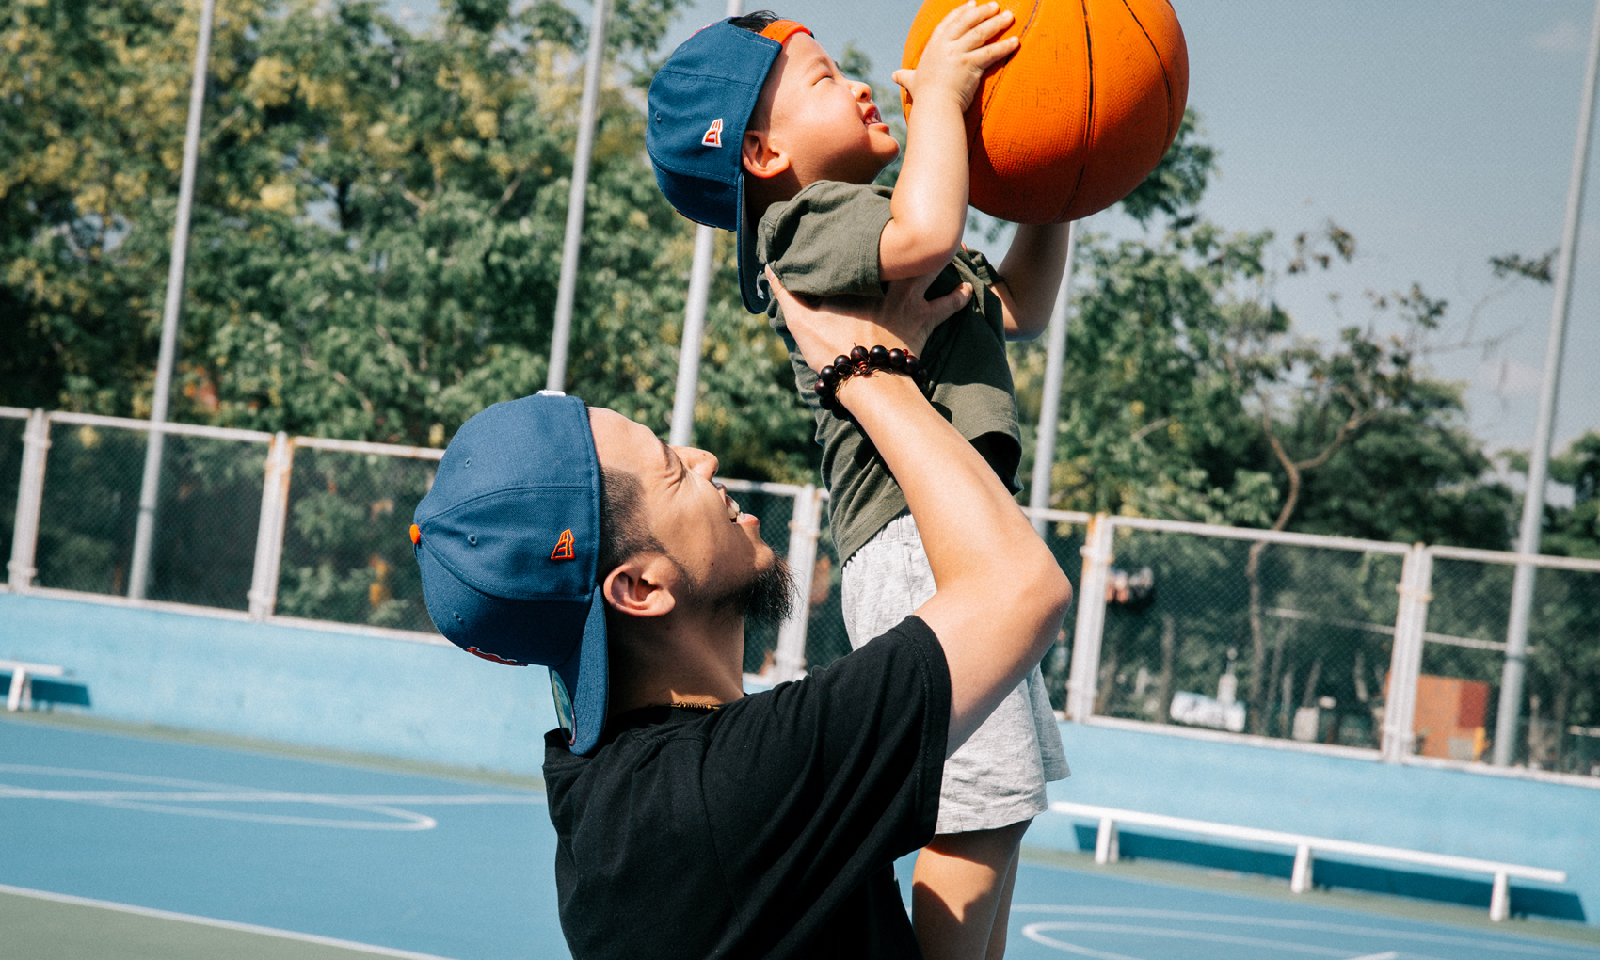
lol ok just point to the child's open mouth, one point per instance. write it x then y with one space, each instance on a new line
872 117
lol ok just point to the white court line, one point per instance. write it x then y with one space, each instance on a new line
219 924
1391 955
1553 950
268 796
1033 932
203 792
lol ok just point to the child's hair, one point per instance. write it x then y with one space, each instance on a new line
756 21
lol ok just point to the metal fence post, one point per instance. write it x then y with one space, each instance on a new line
1091 619
804 528
269 534
30 494
1405 660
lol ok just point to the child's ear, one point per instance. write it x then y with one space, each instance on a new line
761 158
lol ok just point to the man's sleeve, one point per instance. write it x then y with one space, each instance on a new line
815 785
824 242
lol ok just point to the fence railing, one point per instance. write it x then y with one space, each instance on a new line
1388 650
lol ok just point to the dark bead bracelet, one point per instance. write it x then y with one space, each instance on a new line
861 362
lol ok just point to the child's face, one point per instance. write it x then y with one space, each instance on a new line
825 122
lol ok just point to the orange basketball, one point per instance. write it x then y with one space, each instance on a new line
1081 113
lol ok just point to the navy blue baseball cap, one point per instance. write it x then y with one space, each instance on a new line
508 539
699 105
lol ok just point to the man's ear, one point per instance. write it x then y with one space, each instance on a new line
641 586
761 158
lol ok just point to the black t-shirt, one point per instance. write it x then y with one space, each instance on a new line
765 829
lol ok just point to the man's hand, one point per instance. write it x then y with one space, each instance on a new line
902 318
958 52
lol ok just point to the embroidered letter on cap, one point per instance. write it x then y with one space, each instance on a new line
563 550
713 137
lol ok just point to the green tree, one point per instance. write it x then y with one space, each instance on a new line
374 252
377 231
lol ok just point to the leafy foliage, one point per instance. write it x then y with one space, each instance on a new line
378 225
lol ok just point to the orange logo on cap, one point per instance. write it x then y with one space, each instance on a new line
713 137
563 550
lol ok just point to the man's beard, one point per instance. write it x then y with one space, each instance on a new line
765 600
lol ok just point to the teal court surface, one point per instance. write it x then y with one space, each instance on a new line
119 844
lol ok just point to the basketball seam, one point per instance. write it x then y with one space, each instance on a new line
994 91
1166 81
1089 115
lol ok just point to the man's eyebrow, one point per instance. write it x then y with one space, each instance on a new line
667 456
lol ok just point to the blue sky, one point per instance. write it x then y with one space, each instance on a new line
1440 134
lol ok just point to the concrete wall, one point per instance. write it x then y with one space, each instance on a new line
1509 819
435 703
309 687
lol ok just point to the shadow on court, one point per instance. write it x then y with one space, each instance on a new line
139 847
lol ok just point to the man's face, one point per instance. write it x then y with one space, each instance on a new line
718 547
826 122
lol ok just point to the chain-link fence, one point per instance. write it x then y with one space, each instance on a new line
1317 640
1464 663
1288 638
209 504
346 554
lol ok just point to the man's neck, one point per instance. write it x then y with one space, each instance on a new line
684 657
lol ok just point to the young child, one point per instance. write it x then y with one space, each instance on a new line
753 129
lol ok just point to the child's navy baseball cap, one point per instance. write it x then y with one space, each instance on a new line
508 539
700 104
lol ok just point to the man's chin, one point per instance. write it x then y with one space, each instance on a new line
767 598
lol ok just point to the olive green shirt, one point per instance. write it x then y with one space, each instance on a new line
824 242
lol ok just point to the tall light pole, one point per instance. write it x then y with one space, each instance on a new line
694 323
570 249
149 487
1044 450
1507 718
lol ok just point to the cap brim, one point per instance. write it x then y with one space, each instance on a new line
752 281
586 675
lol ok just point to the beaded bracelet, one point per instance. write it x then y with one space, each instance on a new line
861 362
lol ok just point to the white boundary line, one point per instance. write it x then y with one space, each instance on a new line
219 924
1506 942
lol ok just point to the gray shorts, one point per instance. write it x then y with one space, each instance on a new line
997 777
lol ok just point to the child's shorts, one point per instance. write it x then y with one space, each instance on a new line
997 777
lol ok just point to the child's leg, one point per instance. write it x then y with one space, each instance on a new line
993 785
1002 914
961 895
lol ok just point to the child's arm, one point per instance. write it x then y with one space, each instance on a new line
928 211
1031 275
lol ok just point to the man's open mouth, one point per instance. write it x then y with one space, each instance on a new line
733 507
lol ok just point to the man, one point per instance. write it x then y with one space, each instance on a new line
694 821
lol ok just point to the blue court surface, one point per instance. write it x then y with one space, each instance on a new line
127 846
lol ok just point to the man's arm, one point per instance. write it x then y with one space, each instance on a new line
1001 595
1031 275
928 211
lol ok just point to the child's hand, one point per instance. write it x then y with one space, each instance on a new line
958 53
